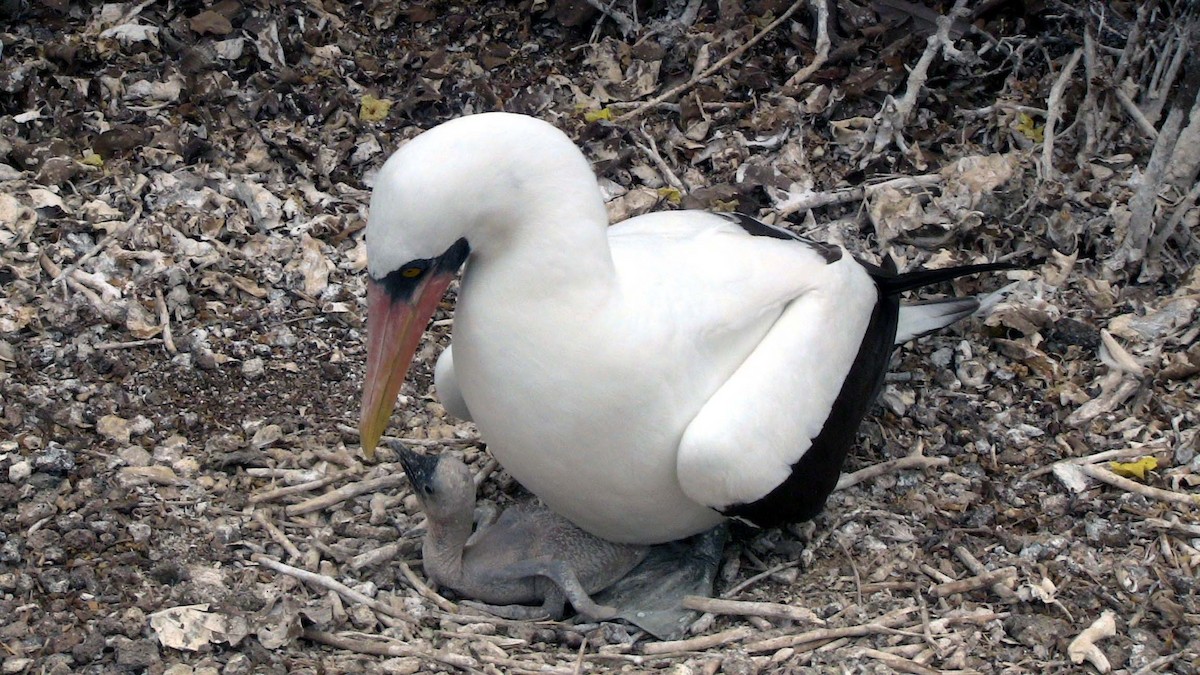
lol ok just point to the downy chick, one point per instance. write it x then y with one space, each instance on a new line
528 555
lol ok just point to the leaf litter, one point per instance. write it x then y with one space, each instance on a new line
183 190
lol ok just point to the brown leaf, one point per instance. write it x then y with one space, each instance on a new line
210 22
419 14
118 140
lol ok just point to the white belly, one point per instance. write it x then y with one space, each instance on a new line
589 425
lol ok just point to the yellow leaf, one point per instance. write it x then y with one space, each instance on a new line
597 115
721 206
92 159
670 194
1030 130
1136 469
373 109
761 22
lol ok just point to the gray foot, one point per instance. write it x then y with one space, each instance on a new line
651 596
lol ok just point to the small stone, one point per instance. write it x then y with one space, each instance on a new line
10 551
134 455
186 466
737 664
137 653
114 428
129 623
206 360
31 512
90 649
283 337
266 435
362 619
332 371
1037 631
54 459
171 450
79 539
226 532
54 580
16 664
140 425
238 664
972 373
57 664
253 368
140 532
406 665
19 471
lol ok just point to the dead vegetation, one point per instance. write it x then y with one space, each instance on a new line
182 192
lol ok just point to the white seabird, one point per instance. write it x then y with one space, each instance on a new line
645 380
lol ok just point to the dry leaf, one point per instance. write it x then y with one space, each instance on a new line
1136 469
209 22
373 109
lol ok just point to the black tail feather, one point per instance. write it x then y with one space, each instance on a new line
891 283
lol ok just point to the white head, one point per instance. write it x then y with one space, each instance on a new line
475 177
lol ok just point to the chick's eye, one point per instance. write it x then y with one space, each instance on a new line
427 489
411 272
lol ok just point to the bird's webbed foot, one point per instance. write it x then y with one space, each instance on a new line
566 587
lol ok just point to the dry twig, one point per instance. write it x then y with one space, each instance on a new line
1132 247
1083 647
102 244
164 319
812 200
972 583
699 643
888 125
428 593
376 555
385 647
823 44
625 24
766 610
914 460
883 625
711 70
977 567
1135 113
897 663
345 492
106 346
327 583
278 535
300 488
1105 476
759 577
1054 113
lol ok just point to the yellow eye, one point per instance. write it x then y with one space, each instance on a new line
410 272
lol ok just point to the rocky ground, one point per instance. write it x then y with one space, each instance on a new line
183 188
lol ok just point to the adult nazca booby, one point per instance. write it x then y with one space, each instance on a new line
645 380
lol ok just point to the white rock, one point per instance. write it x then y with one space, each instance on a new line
19 471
